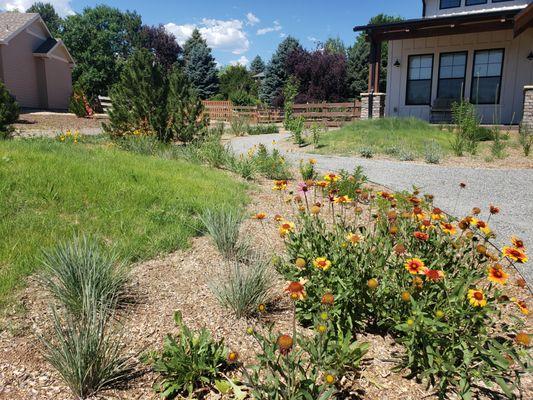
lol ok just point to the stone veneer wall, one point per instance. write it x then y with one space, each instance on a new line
372 105
527 119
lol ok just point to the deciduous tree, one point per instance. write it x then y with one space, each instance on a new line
161 43
49 15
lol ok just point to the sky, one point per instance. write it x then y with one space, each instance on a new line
238 30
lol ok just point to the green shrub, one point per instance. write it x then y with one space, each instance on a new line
406 155
296 127
86 353
316 133
262 129
9 112
244 287
188 360
307 170
271 165
467 129
80 270
432 152
366 152
79 105
239 126
244 166
223 226
497 148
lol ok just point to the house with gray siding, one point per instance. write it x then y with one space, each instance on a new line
35 67
477 50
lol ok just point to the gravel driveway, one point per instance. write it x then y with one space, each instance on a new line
510 189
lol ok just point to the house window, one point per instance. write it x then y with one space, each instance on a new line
475 2
449 4
487 76
452 71
419 79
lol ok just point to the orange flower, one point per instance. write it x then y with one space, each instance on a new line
328 299
518 243
353 238
436 214
322 263
260 216
497 275
331 177
434 274
476 211
261 308
285 343
386 195
515 254
342 200
421 235
372 283
296 291
278 218
399 249
406 296
477 298
418 282
280 185
522 305
415 266
494 210
233 357
322 184
481 225
448 228
523 338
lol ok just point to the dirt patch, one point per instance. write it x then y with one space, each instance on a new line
51 124
180 281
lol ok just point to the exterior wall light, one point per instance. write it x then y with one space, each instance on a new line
529 57
397 63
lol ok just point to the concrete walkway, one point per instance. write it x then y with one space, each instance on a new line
509 189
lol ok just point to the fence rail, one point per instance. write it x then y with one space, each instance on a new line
330 114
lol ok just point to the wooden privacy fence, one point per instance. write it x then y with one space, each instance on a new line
329 114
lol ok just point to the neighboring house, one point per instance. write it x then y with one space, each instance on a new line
35 67
480 50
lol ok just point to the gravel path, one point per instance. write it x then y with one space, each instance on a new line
510 189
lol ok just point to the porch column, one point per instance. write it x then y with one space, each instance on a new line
372 105
527 118
373 102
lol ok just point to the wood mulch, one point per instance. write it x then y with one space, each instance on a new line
180 281
51 124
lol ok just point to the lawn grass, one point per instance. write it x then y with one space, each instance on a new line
384 136
143 206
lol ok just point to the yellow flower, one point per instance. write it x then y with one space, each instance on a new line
448 228
300 263
312 161
497 275
515 254
477 298
372 283
342 200
285 228
353 238
523 338
322 263
330 379
331 177
322 328
280 185
415 266
523 307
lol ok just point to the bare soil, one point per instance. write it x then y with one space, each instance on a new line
180 281
52 124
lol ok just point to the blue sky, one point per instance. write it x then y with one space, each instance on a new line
238 30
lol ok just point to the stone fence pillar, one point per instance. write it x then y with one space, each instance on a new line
372 105
527 118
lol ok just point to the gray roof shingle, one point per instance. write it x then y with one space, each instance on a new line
13 21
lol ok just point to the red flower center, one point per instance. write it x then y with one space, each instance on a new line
478 296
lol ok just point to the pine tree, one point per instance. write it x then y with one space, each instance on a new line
186 119
200 66
276 73
335 46
257 66
9 112
358 58
139 97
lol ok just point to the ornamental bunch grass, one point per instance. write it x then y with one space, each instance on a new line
223 226
398 264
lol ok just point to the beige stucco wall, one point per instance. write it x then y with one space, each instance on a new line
58 83
517 71
20 73
1 64
433 7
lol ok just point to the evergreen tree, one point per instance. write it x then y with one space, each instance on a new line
139 97
335 46
276 73
48 14
9 112
358 58
200 66
257 66
185 112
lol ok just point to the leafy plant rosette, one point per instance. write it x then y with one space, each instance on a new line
298 366
397 264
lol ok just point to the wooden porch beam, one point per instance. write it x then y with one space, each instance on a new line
524 20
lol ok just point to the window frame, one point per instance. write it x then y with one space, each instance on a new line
465 52
476 4
407 80
502 49
447 8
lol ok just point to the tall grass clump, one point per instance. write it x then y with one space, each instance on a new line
80 270
223 226
86 353
432 152
467 130
244 287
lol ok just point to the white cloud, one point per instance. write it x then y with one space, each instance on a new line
225 35
252 19
243 60
312 39
275 28
63 7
